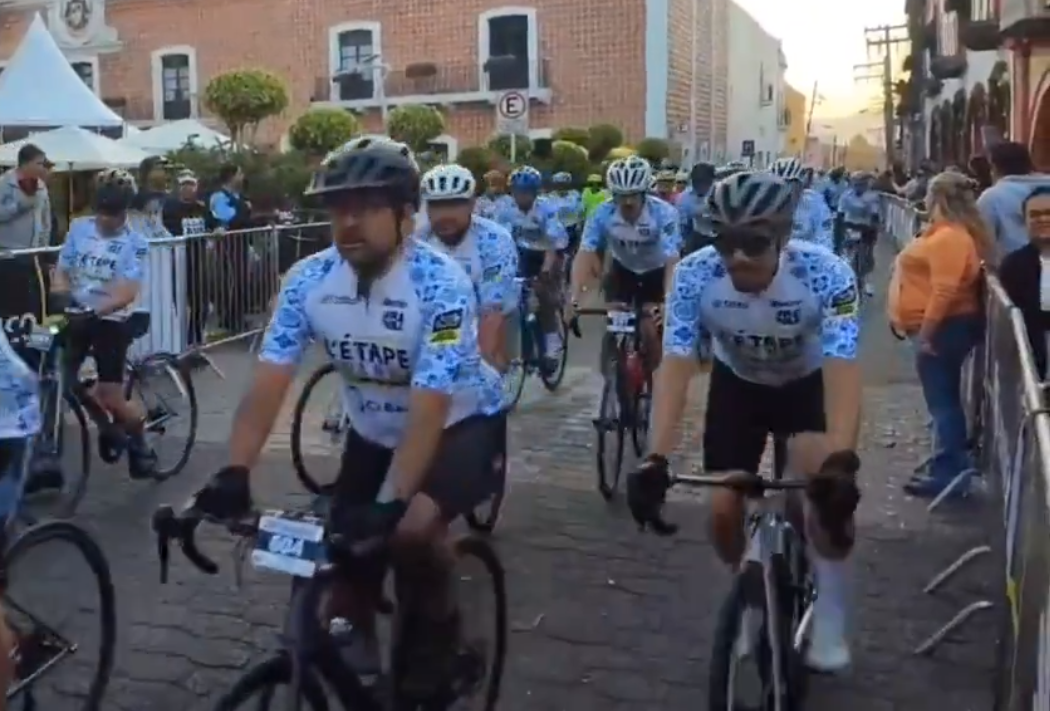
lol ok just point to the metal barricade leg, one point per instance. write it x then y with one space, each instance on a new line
933 641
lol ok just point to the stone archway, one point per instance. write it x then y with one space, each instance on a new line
1040 140
948 133
976 119
999 99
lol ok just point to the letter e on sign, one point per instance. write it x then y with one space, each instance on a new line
512 114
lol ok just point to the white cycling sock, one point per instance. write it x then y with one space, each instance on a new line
553 344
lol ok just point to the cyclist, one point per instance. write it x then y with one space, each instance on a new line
783 320
484 249
813 220
398 319
695 224
859 208
540 236
731 168
681 183
832 186
663 186
570 207
495 184
101 268
593 194
642 237
19 424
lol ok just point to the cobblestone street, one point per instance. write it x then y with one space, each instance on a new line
602 617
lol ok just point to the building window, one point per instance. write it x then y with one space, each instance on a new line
510 36
355 61
87 70
174 83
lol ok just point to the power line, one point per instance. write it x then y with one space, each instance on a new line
883 42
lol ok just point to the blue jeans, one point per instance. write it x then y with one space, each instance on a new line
12 464
941 379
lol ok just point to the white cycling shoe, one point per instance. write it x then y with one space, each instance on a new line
828 650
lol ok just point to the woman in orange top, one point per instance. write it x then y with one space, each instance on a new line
935 299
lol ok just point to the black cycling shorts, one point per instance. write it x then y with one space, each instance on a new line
530 263
467 469
107 342
741 415
622 286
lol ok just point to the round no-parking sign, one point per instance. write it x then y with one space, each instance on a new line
512 113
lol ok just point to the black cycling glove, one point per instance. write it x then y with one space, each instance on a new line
834 493
226 496
646 493
58 302
363 529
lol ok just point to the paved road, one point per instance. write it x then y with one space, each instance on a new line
602 618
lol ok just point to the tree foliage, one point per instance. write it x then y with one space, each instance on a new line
479 160
522 147
272 181
574 134
244 98
319 131
602 138
416 126
654 150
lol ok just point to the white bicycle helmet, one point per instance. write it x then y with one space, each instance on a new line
629 175
751 200
787 168
449 182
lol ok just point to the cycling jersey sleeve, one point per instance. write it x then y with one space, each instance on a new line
670 234
67 256
449 341
823 224
134 260
553 227
289 333
840 329
593 239
684 333
498 290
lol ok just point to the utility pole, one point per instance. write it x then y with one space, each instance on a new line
882 41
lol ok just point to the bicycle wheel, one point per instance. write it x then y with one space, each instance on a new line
41 649
478 670
333 423
484 518
552 378
168 398
517 371
260 686
53 448
641 409
609 427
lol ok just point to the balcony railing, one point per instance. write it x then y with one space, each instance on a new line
1029 19
140 109
425 81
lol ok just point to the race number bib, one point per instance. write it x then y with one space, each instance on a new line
620 322
853 235
289 543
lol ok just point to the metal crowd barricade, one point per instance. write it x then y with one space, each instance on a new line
901 220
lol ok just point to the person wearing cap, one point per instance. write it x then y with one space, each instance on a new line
25 206
232 211
185 215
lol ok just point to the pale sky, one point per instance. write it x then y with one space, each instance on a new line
823 40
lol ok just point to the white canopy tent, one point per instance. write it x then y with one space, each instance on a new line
40 88
73 148
175 135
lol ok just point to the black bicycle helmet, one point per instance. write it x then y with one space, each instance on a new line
115 190
751 200
368 163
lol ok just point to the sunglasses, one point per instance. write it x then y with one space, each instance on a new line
750 244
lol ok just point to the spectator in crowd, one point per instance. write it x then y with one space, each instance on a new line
934 299
915 189
1025 275
148 208
1000 205
25 206
981 171
185 215
231 211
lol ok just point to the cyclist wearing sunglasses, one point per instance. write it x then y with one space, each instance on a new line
642 237
782 317
813 219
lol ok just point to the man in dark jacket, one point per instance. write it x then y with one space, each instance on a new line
186 216
232 211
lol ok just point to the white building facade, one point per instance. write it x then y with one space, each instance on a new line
757 125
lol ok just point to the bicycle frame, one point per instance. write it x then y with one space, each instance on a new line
533 345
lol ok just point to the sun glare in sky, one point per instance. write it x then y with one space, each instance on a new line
823 40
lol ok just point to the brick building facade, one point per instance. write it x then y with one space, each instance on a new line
581 62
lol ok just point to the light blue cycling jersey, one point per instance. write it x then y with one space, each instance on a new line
808 313
93 264
693 213
485 205
417 328
813 220
649 244
860 208
489 256
832 191
570 207
19 403
537 229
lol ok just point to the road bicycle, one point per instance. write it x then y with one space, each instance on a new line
62 392
309 665
532 356
857 255
39 648
335 423
626 399
766 618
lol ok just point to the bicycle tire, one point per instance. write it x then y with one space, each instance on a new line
479 549
487 524
268 675
551 380
96 560
170 364
298 460
747 590
516 375
641 409
71 500
609 482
